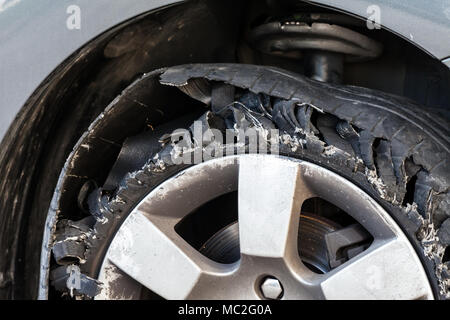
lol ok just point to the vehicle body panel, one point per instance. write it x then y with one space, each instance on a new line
34 38
424 23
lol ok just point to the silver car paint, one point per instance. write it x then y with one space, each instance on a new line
425 23
34 38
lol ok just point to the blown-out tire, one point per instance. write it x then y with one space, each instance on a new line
391 148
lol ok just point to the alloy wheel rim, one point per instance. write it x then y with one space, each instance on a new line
147 251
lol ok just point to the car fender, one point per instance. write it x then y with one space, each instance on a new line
426 24
35 37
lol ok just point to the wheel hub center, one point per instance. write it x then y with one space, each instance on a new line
271 288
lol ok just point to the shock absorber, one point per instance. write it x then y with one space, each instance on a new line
323 45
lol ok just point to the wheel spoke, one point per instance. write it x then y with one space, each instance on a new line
271 191
387 270
270 196
117 285
158 258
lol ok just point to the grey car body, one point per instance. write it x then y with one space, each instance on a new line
34 37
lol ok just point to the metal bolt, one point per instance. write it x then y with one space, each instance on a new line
271 288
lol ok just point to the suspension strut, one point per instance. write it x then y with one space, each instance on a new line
324 46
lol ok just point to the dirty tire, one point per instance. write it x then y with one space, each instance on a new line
390 147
